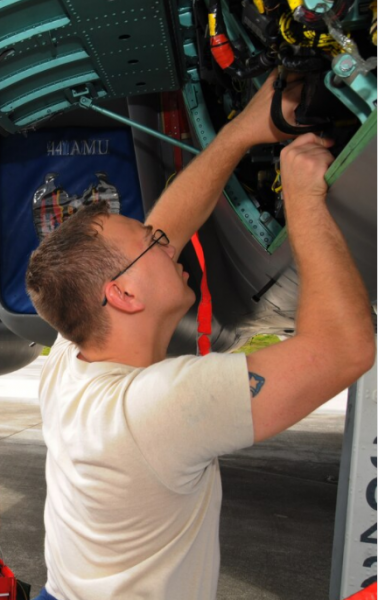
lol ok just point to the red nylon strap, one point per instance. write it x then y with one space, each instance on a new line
176 125
205 311
8 583
369 593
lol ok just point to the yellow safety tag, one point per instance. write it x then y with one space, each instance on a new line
212 24
294 4
373 29
260 6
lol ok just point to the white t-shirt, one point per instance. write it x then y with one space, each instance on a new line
133 485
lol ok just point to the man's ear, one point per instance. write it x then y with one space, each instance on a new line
121 299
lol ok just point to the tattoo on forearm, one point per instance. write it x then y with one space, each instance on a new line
256 383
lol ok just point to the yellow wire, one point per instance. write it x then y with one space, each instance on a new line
276 185
373 29
240 87
249 189
325 41
170 178
260 6
284 25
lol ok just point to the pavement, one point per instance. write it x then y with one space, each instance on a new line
278 506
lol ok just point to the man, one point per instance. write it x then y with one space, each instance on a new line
133 486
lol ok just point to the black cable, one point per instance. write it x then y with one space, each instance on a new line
279 119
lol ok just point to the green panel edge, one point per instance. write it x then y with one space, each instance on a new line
282 236
356 145
361 139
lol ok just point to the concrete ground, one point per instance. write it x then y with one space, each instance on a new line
278 507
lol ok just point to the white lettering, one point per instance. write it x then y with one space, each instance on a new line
78 148
75 149
58 149
89 148
103 147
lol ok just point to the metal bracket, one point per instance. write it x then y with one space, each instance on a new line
356 90
88 104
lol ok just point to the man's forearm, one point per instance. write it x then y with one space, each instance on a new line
333 305
193 195
334 311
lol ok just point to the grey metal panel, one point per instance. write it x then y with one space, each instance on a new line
354 561
148 151
353 203
29 327
254 264
15 352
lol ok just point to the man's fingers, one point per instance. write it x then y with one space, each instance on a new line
311 138
273 74
307 155
293 80
326 142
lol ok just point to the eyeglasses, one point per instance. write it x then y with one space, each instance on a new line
158 237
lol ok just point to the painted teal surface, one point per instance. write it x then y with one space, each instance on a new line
53 49
190 49
32 31
186 18
6 3
55 87
51 110
318 6
360 95
37 69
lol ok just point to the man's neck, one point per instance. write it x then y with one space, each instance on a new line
136 360
135 347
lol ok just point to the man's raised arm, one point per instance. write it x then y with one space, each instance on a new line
334 342
193 195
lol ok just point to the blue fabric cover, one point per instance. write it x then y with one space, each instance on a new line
75 155
44 595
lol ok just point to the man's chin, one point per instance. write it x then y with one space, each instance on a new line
191 299
187 303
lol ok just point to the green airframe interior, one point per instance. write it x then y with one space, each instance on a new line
53 52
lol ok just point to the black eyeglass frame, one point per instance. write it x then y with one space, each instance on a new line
155 241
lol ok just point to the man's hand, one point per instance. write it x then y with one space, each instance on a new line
255 120
334 342
304 164
192 196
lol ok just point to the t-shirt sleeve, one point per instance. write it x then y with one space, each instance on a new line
186 411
